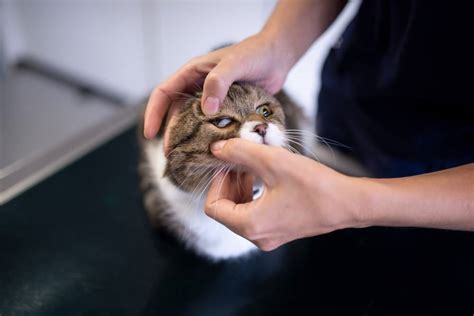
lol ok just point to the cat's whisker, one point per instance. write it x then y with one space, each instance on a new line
298 137
301 140
239 183
208 183
309 150
201 188
198 85
200 171
221 182
223 169
183 95
199 185
194 202
171 151
315 137
292 149
303 132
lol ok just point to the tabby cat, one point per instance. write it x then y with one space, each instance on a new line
175 186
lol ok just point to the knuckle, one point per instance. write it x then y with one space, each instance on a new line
157 90
215 81
208 208
160 91
250 230
187 69
267 245
232 57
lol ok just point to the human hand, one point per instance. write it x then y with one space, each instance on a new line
253 60
302 198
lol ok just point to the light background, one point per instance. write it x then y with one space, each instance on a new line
125 46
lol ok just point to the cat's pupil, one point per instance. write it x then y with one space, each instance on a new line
264 111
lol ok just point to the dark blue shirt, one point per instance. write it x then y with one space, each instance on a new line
399 89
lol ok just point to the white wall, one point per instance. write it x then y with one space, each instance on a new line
180 30
125 45
131 45
100 41
13 44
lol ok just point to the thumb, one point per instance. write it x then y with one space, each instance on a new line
216 85
262 160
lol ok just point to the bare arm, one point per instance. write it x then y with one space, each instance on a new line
304 198
295 25
443 199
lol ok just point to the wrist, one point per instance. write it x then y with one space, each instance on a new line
281 50
381 204
365 202
348 201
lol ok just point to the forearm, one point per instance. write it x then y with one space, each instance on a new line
442 199
295 24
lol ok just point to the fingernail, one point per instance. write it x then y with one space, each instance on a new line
147 134
211 106
217 146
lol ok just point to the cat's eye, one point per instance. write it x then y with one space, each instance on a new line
222 122
264 110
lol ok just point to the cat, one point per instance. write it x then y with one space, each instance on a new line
174 187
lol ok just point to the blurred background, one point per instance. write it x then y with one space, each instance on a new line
74 73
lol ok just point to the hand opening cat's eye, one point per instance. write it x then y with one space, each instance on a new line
264 110
222 122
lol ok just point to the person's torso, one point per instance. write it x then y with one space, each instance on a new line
398 90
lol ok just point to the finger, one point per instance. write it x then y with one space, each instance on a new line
155 111
217 84
162 96
171 121
260 159
222 203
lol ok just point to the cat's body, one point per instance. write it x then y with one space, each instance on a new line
175 186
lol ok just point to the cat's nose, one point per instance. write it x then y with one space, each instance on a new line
261 129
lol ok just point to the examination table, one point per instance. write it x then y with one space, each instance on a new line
79 243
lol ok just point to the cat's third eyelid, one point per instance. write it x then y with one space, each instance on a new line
222 122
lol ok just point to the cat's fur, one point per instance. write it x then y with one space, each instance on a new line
175 187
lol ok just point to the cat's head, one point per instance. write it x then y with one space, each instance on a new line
247 112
